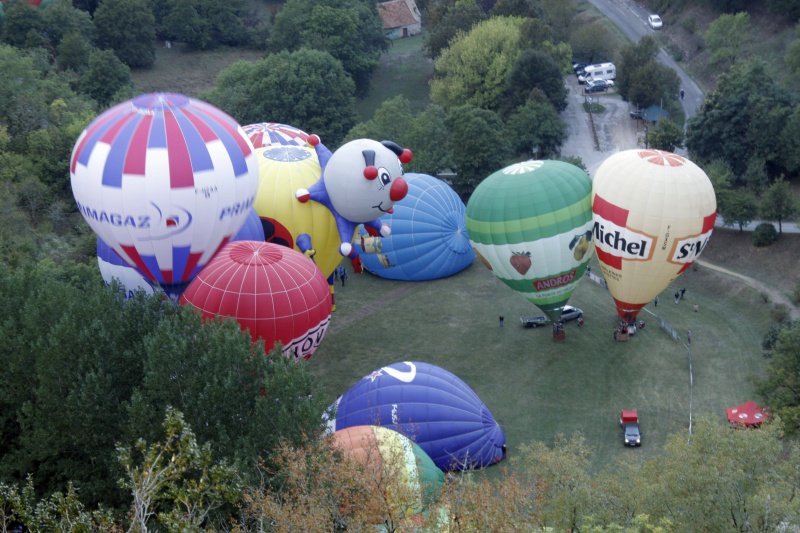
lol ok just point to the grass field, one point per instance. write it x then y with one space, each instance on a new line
537 388
403 71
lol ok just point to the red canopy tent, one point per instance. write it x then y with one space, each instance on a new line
747 414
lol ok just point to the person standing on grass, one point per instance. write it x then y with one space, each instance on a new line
655 301
689 337
677 296
683 291
501 318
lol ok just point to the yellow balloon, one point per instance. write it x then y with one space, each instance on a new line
653 214
282 171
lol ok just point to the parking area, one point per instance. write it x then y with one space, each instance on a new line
615 130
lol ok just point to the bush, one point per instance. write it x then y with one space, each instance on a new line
764 235
780 313
771 336
796 294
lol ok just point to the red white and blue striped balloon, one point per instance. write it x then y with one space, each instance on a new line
275 134
165 180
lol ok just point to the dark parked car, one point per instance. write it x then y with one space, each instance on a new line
639 113
578 67
570 313
597 86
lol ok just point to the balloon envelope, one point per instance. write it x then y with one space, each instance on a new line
287 163
436 409
429 236
275 135
251 230
165 180
530 223
274 292
113 267
653 215
398 461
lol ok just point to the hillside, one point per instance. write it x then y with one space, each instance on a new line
686 22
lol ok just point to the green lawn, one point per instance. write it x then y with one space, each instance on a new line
536 387
403 71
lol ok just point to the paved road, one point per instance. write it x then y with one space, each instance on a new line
631 19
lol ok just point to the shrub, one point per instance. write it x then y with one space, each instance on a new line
764 235
796 294
780 313
771 336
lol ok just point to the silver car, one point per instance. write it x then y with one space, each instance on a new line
570 313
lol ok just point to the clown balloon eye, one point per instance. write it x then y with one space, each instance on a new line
386 178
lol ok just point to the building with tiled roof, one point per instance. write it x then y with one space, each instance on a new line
401 18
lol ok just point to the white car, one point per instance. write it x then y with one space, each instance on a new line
655 21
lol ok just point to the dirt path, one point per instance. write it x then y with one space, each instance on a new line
367 310
774 295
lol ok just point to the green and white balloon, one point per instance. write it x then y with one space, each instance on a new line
531 224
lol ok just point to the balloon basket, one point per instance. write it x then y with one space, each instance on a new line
559 335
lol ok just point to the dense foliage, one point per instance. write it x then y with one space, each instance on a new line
308 89
85 371
349 30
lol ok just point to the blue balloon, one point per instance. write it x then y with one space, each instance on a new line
429 235
429 405
251 230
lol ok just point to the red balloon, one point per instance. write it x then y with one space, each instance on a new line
276 293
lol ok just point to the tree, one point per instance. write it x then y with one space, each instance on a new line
176 479
560 16
634 58
515 8
785 8
235 397
737 207
474 69
62 19
665 135
128 28
777 203
535 69
755 175
350 30
715 480
593 43
425 133
566 493
461 18
727 36
203 24
478 144
535 129
743 118
104 77
781 386
20 20
308 89
73 52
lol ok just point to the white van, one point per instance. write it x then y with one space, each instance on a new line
601 71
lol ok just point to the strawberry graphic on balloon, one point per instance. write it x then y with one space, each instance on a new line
521 261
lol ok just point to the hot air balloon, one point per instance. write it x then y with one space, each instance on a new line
531 225
413 480
287 163
113 267
360 182
429 236
275 135
653 215
430 405
251 230
274 292
165 180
